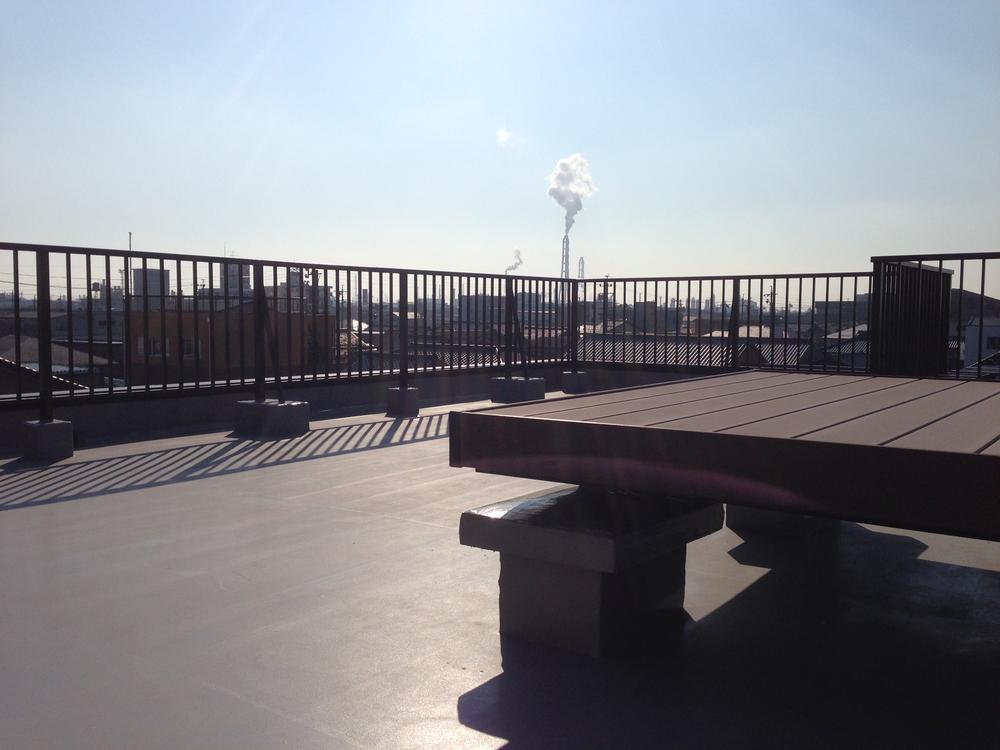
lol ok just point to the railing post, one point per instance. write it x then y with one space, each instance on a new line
259 328
508 325
403 401
45 335
404 332
875 317
734 324
574 325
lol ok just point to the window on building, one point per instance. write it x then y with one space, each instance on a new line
993 342
153 346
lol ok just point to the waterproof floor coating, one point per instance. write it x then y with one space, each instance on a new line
212 592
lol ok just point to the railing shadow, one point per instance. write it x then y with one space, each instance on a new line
26 487
859 644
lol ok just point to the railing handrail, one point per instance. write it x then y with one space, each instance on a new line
730 277
231 260
926 266
935 256
151 255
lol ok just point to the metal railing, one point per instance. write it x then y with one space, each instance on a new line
88 324
84 323
777 321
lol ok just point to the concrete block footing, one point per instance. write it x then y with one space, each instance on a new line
575 382
756 521
47 440
402 402
597 573
271 418
514 390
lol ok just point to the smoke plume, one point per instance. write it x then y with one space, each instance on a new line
569 184
516 264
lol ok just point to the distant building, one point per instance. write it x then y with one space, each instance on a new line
151 282
170 345
988 331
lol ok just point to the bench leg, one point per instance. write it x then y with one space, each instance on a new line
598 572
591 612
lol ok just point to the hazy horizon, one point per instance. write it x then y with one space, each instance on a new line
722 137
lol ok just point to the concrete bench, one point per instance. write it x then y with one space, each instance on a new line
590 570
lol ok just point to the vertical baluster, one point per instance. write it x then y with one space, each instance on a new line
224 278
108 325
340 319
360 301
812 321
90 326
508 325
326 322
180 328
44 313
212 372
241 322
196 328
404 332
19 386
69 324
301 314
163 326
959 333
143 285
734 324
982 319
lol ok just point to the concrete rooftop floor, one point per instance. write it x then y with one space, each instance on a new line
209 592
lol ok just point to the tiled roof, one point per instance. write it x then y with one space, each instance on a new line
696 351
780 352
658 350
847 348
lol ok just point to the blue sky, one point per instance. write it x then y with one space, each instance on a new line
723 137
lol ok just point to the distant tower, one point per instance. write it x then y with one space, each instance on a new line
564 273
579 268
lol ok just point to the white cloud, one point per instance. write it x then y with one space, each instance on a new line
504 137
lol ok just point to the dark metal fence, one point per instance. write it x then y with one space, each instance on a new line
85 323
937 315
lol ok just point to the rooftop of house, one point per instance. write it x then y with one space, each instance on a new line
213 592
60 352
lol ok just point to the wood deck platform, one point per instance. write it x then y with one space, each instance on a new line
911 453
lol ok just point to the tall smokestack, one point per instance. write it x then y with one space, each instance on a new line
579 269
569 184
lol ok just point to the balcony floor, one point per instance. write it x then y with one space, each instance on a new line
208 592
